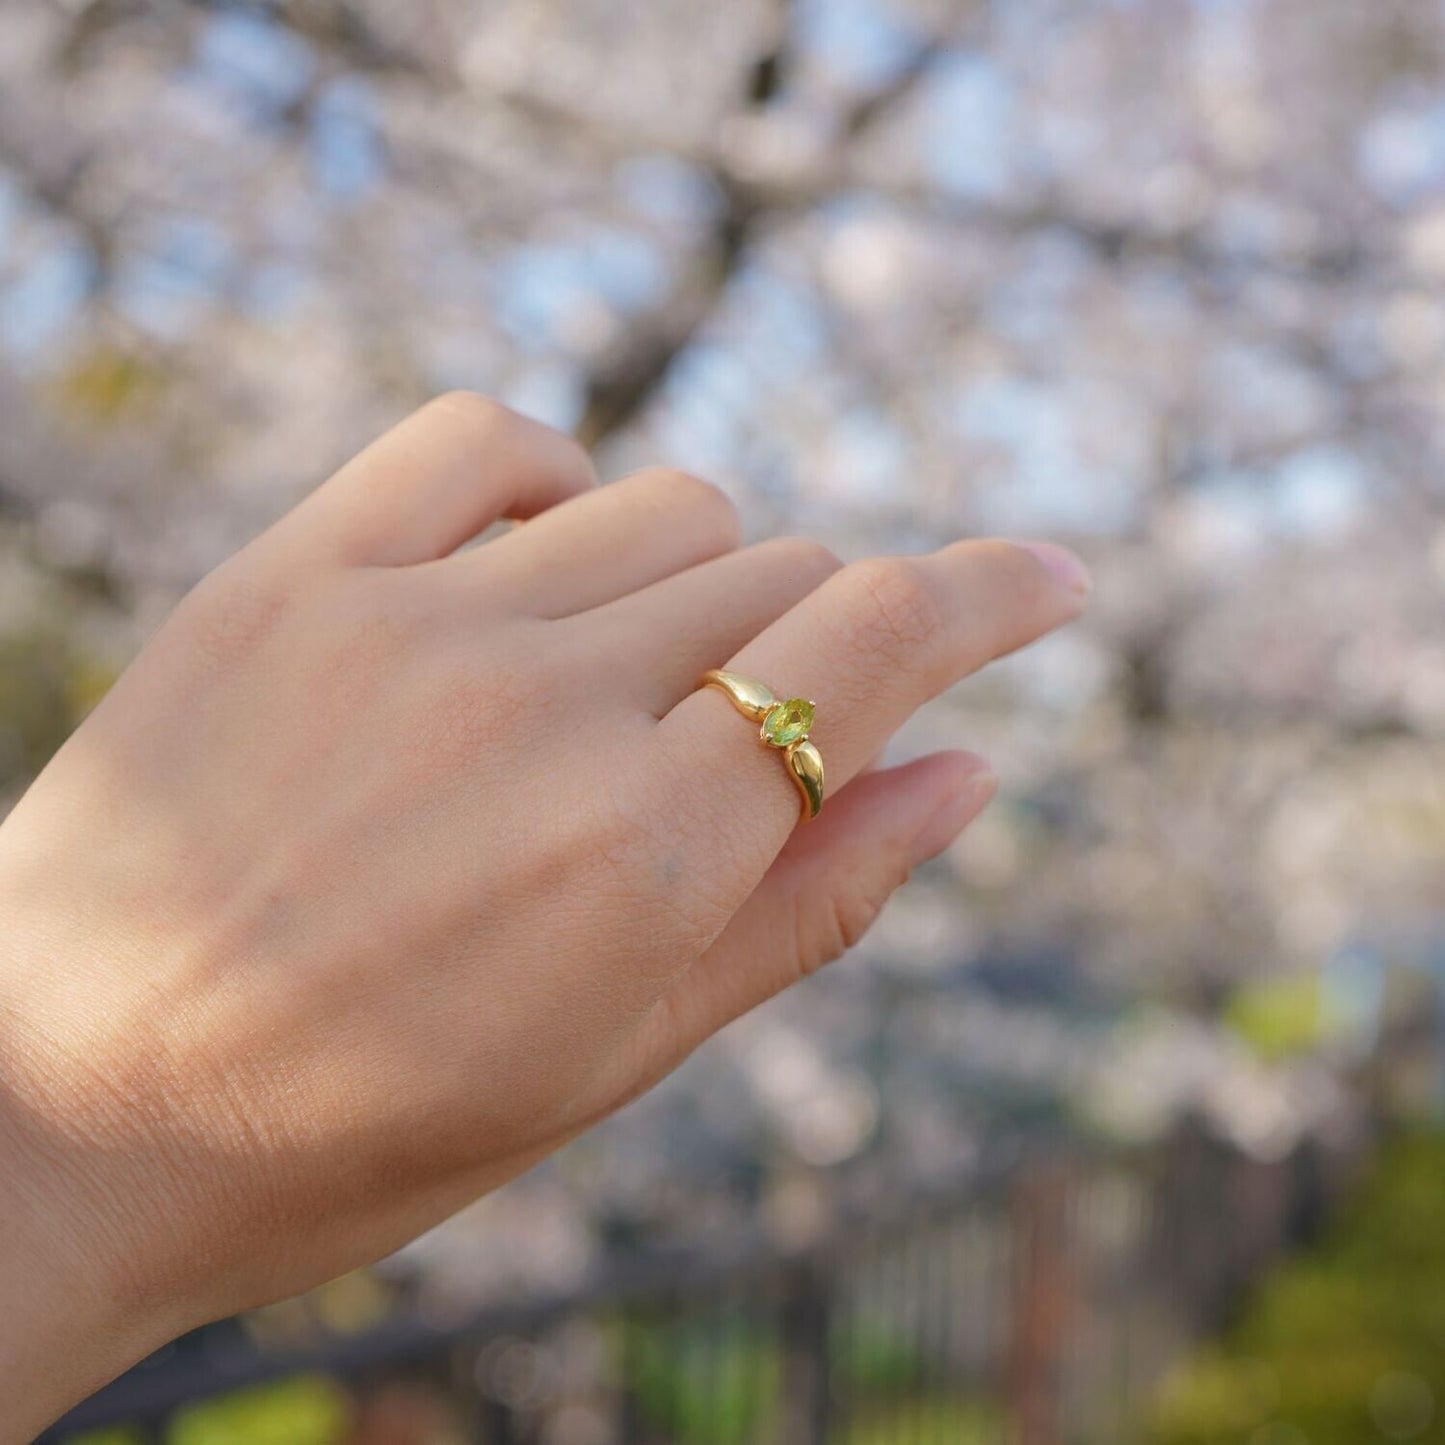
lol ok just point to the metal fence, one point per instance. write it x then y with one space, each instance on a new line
1037 1304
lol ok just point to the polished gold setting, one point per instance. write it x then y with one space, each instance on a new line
784 724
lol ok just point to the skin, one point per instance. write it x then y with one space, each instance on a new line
387 868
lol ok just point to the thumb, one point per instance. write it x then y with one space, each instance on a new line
823 892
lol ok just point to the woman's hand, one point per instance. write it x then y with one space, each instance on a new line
386 868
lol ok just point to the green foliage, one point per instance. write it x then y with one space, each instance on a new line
709 1383
1344 1345
875 1358
1279 1017
109 384
307 1410
705 1383
959 1422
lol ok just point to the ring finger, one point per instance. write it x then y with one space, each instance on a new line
869 646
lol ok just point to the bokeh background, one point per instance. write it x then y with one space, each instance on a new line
1161 279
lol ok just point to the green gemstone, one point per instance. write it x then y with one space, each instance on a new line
788 722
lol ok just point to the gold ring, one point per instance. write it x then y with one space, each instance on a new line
785 725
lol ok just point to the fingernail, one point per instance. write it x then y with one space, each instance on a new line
1062 563
966 800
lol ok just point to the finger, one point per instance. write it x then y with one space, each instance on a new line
610 542
872 644
822 894
689 622
436 480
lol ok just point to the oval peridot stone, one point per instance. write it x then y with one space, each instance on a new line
788 722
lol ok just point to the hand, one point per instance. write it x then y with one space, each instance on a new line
386 868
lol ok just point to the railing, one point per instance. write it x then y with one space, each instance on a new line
1036 1304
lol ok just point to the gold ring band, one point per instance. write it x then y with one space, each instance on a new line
784 725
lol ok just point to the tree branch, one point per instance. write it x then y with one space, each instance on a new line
624 385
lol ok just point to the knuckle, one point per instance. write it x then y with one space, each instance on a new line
472 409
574 461
894 608
692 493
489 420
806 558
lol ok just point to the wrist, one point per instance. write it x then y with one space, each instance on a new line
73 1310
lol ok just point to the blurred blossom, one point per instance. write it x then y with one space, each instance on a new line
44 295
868 261
1402 153
971 118
1413 325
258 61
1161 280
344 140
1425 244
